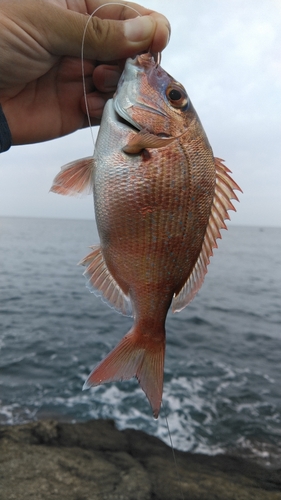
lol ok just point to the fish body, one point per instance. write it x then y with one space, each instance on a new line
160 201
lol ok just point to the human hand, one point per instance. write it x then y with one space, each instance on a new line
41 90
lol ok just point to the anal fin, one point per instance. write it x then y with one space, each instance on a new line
102 283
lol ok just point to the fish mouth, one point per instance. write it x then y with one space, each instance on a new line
125 118
126 123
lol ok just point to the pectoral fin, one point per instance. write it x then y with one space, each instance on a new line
75 178
146 140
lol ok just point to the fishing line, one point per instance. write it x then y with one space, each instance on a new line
157 57
172 446
82 58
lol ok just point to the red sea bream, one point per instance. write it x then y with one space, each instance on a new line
161 199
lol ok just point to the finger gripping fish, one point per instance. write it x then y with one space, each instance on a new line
161 199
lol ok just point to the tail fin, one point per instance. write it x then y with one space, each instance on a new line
135 356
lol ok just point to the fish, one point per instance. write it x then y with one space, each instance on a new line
161 199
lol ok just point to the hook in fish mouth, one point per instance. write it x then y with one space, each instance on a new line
157 58
148 59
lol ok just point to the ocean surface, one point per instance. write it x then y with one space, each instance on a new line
222 388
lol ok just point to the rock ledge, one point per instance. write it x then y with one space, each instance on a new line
50 460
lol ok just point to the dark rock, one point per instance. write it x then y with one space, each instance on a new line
51 460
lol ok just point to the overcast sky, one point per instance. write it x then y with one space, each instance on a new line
227 55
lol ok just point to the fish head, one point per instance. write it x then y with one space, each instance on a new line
147 97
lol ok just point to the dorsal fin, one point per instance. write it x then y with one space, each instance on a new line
102 283
75 178
224 192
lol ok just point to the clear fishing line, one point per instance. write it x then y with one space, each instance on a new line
157 56
172 446
82 57
157 60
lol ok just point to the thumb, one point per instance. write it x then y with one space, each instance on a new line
105 39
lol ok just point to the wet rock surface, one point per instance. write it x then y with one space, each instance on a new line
50 460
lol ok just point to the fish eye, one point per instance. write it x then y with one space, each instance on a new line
177 96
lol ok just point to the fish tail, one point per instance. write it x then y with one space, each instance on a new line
137 356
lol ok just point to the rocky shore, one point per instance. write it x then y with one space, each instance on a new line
50 460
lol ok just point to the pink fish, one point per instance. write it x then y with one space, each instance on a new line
161 199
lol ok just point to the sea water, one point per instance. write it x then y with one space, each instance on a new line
222 386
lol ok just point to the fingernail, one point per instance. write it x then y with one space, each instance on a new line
169 33
138 29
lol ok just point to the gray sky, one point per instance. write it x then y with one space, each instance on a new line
227 55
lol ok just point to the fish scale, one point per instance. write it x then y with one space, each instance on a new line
161 199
